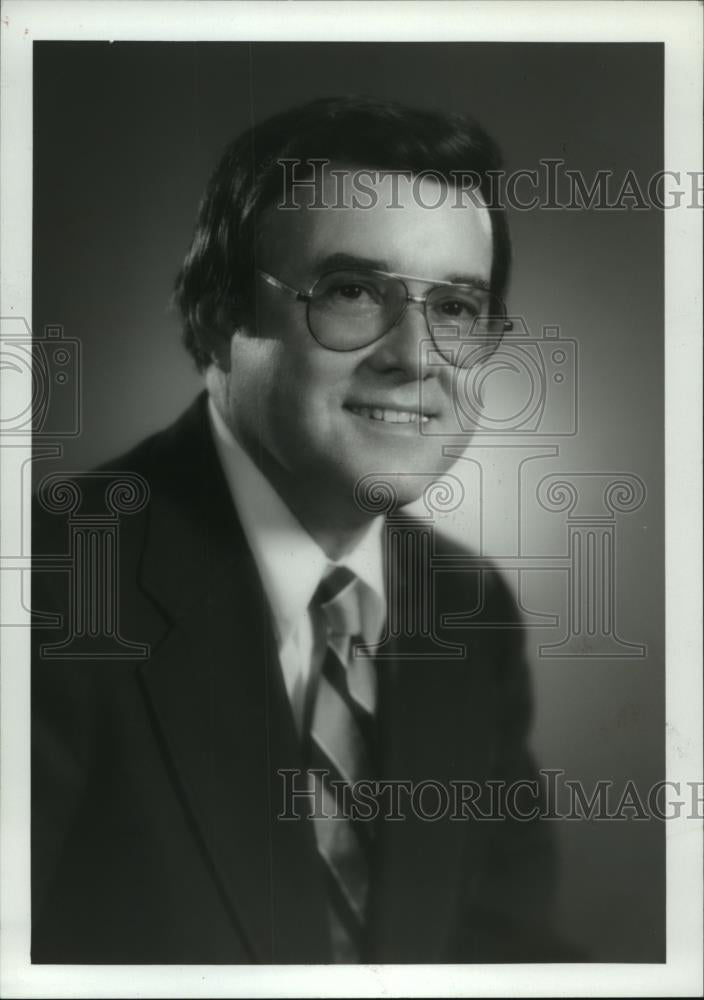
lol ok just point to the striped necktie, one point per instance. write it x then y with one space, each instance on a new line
341 745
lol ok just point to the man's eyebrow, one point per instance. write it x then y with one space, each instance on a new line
337 260
469 279
346 260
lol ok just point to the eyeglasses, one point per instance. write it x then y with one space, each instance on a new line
352 308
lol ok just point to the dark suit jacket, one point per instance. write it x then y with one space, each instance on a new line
155 793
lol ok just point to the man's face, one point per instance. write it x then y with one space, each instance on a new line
307 413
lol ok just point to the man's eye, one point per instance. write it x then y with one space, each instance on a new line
351 291
456 307
354 293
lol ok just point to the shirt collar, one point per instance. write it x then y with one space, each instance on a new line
290 562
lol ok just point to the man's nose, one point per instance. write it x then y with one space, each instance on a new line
404 347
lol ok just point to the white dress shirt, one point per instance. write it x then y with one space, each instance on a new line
291 564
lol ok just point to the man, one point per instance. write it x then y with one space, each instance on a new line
234 795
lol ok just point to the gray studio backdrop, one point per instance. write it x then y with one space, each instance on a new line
125 137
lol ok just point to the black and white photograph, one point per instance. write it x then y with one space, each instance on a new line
351 454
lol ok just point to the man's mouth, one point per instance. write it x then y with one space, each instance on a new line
390 416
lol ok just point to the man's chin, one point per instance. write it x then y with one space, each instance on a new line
384 491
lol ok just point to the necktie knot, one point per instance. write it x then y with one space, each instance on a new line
337 597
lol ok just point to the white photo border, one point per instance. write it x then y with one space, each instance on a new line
679 27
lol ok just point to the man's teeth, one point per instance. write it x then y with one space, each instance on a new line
390 416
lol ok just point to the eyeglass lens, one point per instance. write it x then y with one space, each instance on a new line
351 309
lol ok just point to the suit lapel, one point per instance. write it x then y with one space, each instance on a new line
218 699
216 691
434 730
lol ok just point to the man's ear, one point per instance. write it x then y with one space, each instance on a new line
220 352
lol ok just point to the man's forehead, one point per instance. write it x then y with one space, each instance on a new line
406 221
337 186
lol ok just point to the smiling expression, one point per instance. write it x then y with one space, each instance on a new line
316 419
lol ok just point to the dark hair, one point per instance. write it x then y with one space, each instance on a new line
214 286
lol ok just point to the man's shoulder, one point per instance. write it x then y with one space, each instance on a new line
162 465
483 577
153 456
166 447
463 580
